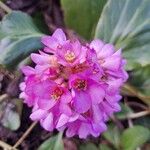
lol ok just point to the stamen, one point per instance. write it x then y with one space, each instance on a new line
80 84
70 56
56 93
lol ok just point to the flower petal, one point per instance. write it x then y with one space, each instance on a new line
50 42
27 70
40 59
106 51
47 123
66 97
46 104
64 108
97 93
62 120
38 114
83 130
81 102
60 35
97 45
112 63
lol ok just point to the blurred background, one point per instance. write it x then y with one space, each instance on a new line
124 23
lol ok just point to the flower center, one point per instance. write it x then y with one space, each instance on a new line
70 56
56 93
80 84
101 61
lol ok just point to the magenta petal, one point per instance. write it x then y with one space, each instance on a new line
112 63
46 104
72 129
66 97
97 115
22 86
97 93
62 120
98 128
81 102
50 42
38 114
64 108
114 86
73 118
106 51
60 35
49 50
47 123
27 70
83 130
97 45
40 59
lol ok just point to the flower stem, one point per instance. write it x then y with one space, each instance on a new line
25 134
5 7
6 146
134 92
139 114
3 97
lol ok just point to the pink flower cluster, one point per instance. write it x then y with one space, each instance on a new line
73 86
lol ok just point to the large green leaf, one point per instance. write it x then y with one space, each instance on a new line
104 147
88 146
18 38
113 135
125 111
53 143
82 15
10 113
141 79
134 137
126 23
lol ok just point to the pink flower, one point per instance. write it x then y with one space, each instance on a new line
84 91
68 53
76 87
71 53
110 60
84 127
55 41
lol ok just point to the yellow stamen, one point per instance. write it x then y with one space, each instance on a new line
70 56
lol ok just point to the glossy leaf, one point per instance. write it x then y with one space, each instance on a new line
82 15
126 24
140 78
10 114
88 146
125 110
134 137
19 37
104 147
53 143
112 135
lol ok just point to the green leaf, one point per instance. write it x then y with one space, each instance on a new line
88 146
53 143
19 37
10 114
82 15
112 135
144 121
104 147
134 137
142 75
125 110
126 24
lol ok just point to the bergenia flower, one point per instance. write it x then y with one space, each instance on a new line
74 86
